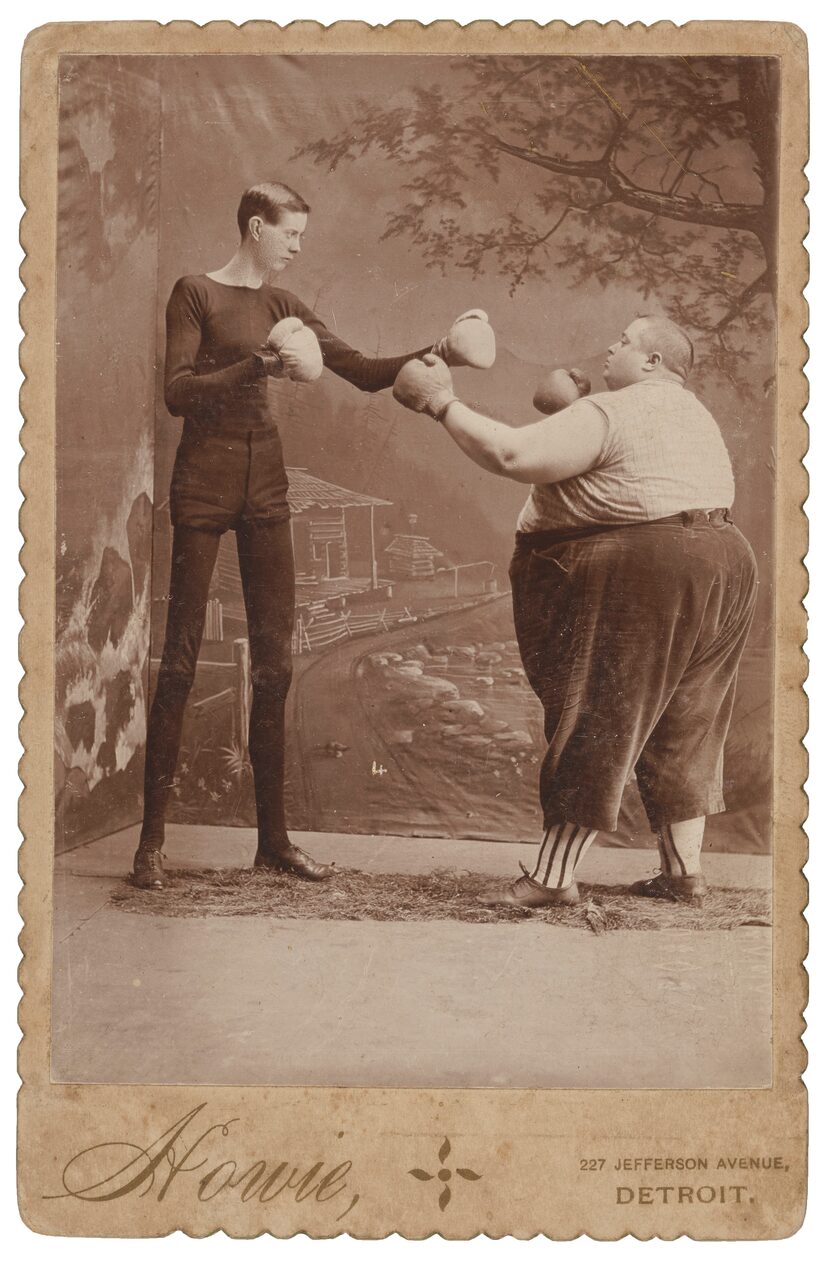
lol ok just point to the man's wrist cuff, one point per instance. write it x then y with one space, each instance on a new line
266 360
441 411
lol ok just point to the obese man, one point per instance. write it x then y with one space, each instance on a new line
633 594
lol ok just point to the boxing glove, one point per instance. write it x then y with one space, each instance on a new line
298 348
559 389
424 385
470 343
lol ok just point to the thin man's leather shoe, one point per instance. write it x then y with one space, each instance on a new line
294 862
148 869
672 888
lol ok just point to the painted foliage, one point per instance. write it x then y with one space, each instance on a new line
409 712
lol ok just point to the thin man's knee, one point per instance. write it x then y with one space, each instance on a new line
176 677
171 694
273 677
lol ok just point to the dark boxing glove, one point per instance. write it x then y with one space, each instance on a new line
559 389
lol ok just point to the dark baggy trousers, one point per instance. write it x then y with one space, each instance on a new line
266 564
631 638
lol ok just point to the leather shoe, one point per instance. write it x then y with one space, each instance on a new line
673 888
148 869
527 893
294 862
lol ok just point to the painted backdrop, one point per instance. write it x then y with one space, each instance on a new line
409 711
108 187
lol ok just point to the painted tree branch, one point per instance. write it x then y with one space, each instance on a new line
713 214
753 290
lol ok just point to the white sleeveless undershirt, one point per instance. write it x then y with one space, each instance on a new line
663 453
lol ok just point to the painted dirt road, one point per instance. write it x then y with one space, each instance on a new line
366 750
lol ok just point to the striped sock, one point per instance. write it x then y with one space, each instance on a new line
680 845
561 851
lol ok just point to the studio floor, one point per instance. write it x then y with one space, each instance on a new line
259 1000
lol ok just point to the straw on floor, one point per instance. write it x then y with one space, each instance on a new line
442 894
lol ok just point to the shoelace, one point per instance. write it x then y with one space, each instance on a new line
534 884
527 876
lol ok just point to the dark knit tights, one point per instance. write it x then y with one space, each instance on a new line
266 564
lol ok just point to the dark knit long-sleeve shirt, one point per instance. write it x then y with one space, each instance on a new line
230 456
213 330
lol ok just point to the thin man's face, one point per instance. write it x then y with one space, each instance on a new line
280 243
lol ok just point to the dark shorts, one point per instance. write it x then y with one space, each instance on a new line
631 638
222 480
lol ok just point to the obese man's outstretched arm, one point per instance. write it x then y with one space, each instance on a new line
551 450
561 446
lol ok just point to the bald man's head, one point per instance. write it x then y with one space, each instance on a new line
652 346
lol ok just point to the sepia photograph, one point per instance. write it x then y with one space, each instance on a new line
387 751
413 550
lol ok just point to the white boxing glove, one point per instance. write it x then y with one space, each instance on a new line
424 385
298 348
470 343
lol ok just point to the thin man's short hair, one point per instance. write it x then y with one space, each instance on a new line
270 201
676 348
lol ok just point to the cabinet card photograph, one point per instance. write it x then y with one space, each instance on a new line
413 547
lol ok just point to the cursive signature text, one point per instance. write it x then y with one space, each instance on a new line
186 1152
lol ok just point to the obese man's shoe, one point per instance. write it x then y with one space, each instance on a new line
529 894
671 888
148 869
294 862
